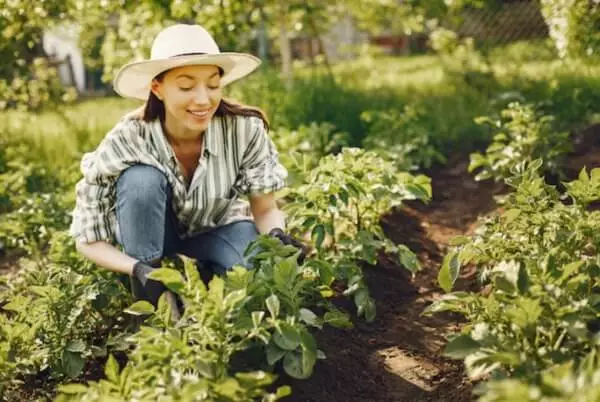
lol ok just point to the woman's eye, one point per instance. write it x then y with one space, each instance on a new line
213 86
186 89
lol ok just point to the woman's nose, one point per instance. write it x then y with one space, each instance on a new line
201 96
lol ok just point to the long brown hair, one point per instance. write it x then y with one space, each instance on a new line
155 108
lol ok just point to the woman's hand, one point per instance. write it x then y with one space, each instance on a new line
153 289
269 219
286 239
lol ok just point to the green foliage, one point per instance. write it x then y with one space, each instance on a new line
401 137
195 354
308 143
341 204
31 205
522 135
29 81
566 382
539 260
462 62
52 313
573 26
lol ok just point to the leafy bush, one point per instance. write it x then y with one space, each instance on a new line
51 314
266 308
308 143
566 382
521 135
401 137
341 204
539 259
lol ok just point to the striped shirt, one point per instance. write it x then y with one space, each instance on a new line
238 159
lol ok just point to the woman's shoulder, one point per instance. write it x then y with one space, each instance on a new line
130 127
244 125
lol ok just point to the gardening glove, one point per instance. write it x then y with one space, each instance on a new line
152 288
290 241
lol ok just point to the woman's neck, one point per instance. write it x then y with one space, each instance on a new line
179 138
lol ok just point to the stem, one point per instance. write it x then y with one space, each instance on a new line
333 234
316 32
560 339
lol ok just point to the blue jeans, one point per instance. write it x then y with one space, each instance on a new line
147 226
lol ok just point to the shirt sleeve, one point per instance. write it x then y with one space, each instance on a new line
260 171
94 216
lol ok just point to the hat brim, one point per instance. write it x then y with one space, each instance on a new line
133 80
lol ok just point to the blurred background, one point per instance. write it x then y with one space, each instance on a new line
413 79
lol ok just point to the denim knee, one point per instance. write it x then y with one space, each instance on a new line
142 203
141 183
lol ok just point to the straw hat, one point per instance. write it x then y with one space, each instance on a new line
176 46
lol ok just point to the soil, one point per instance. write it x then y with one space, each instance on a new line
398 357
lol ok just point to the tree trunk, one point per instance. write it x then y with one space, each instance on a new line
263 40
285 49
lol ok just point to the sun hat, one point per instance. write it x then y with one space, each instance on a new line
176 46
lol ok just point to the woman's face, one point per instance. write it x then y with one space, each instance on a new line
191 95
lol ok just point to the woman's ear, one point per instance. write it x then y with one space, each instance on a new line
155 88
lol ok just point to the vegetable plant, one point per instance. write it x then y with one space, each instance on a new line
521 134
540 264
341 204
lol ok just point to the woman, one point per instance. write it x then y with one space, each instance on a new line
169 182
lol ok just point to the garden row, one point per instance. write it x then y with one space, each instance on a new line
533 330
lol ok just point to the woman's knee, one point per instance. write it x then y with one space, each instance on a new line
140 183
223 247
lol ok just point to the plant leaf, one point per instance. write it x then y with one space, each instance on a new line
140 307
273 304
461 346
111 370
171 278
449 271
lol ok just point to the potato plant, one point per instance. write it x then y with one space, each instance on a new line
521 134
51 314
265 308
539 260
401 136
341 204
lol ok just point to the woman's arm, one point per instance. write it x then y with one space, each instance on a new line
266 213
106 255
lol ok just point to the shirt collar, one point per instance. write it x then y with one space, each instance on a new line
165 150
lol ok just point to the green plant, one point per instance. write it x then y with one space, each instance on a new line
539 261
341 204
51 314
194 354
401 137
522 134
566 382
573 26
309 142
